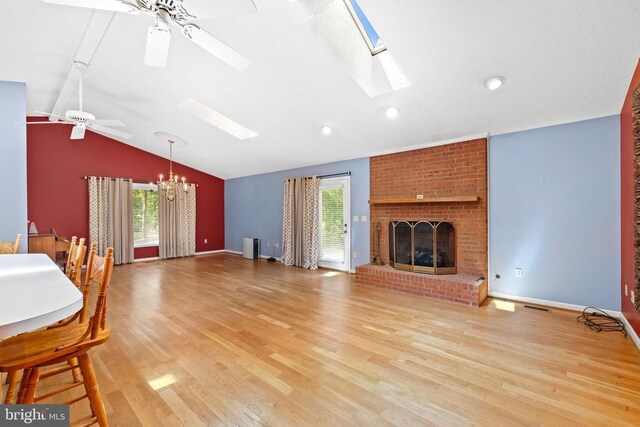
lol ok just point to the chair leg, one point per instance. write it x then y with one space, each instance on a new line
91 387
12 381
23 385
30 388
77 375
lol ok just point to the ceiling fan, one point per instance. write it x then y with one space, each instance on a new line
82 120
174 12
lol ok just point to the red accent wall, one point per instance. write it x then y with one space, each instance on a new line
627 197
57 193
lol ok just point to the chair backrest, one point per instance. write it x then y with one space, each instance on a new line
10 247
75 273
71 253
99 272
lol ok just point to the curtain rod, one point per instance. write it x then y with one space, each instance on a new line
126 179
131 179
331 175
348 173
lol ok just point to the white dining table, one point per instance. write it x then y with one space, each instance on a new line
34 293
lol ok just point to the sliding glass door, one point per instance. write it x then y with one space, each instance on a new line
335 233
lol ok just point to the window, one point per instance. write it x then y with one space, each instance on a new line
366 29
332 224
145 215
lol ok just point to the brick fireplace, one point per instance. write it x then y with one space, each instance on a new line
448 184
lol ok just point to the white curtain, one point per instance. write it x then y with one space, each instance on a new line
300 222
111 216
177 223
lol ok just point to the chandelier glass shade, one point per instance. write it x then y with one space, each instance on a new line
172 185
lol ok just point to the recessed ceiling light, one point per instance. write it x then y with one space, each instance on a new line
493 83
326 130
392 112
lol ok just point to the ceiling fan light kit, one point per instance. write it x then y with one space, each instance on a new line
158 41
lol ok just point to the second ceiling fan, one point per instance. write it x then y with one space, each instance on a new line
181 13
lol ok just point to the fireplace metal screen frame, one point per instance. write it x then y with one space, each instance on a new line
419 268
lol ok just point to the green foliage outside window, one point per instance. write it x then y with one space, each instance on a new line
145 216
332 230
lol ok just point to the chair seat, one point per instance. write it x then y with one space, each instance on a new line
39 348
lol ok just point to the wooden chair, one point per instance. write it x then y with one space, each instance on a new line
75 275
34 351
10 247
73 247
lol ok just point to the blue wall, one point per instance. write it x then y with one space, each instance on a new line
13 162
253 206
554 211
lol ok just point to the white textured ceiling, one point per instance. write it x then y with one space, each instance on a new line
563 61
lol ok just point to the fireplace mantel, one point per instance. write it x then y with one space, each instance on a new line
447 199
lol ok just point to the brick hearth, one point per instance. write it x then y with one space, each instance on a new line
458 288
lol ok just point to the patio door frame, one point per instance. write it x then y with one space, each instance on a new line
345 183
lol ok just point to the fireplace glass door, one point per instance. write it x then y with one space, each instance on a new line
422 246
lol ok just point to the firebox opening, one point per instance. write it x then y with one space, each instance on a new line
422 246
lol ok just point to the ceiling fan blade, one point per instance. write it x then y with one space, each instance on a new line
78 132
112 5
215 47
39 123
157 50
204 9
53 115
109 131
109 122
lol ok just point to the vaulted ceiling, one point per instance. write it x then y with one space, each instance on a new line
563 61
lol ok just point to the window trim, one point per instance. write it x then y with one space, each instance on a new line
146 243
363 32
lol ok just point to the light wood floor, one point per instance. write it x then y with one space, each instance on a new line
254 343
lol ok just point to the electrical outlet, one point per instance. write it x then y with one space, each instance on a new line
276 245
206 241
355 218
355 254
518 272
364 218
420 196
626 290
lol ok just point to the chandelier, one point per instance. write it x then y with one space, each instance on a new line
171 186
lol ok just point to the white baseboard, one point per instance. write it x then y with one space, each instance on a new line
632 334
155 258
229 251
571 307
549 303
219 251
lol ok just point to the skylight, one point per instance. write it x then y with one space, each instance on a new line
216 119
366 29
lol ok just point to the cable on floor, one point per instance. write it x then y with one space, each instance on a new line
600 321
